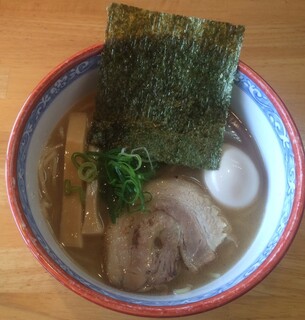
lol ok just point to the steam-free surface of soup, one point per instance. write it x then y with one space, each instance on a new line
244 222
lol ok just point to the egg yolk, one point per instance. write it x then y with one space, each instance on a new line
236 183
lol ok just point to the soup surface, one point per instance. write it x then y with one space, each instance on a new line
244 222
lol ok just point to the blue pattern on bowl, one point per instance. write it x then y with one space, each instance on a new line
242 82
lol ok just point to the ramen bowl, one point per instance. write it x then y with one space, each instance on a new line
279 144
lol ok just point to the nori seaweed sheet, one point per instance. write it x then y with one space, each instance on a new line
165 83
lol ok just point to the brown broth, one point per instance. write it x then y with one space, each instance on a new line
244 222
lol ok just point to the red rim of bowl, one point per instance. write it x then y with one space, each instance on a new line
141 310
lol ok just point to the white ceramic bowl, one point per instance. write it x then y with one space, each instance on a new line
264 115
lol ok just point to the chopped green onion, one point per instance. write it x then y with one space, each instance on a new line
69 189
87 171
123 174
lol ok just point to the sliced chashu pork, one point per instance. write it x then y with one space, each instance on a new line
143 251
182 227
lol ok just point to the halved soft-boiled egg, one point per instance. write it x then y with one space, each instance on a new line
236 183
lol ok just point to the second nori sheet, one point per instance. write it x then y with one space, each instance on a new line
165 83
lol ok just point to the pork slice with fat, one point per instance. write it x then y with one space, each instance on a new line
142 251
203 227
182 227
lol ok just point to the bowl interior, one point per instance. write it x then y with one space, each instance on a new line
251 105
